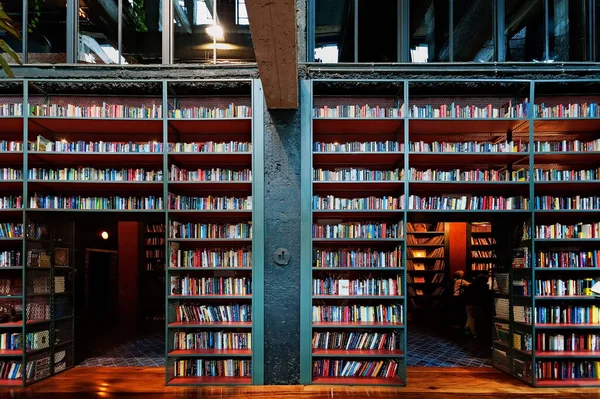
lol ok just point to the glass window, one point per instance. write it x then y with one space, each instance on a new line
473 25
377 31
524 30
142 31
14 10
429 26
334 31
98 32
47 37
567 21
209 29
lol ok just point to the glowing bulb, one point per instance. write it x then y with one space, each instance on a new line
104 235
215 31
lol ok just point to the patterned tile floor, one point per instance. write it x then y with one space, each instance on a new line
430 348
146 351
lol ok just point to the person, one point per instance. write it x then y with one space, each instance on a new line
476 296
459 287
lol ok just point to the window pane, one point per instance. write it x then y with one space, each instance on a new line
47 38
14 10
524 27
334 31
429 30
142 31
192 25
98 32
473 22
567 27
377 31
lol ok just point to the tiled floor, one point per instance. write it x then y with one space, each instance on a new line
428 348
146 351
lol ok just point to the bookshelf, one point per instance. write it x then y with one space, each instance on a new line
79 163
482 253
152 274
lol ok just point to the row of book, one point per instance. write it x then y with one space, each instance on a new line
210 147
465 202
481 267
210 286
359 230
359 111
418 266
368 286
568 259
468 147
481 228
11 174
359 314
453 110
331 202
357 341
412 292
426 253
357 258
571 110
212 368
93 174
11 109
412 239
490 175
357 174
216 174
483 254
202 112
567 146
209 314
210 230
95 203
210 203
11 202
12 370
42 144
357 146
558 230
566 175
154 253
567 370
238 258
11 230
102 110
155 228
219 340
575 342
561 314
483 241
154 241
10 258
424 227
548 202
355 368
436 278
560 287
11 146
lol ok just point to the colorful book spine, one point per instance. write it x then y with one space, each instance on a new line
562 231
210 230
210 147
357 174
212 368
469 147
468 203
183 202
478 175
359 230
331 202
357 258
392 314
93 174
231 111
95 203
210 175
357 146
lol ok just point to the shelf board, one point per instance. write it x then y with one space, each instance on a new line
329 324
210 296
334 297
11 383
43 124
425 258
197 158
210 381
370 269
200 213
562 298
437 233
210 240
566 325
576 382
211 125
11 268
386 185
466 158
357 125
425 271
424 245
189 269
19 296
555 354
463 185
13 324
389 158
472 211
212 324
211 352
565 269
467 125
375 381
11 238
212 185
62 157
336 213
11 352
357 353
356 240
567 240
97 210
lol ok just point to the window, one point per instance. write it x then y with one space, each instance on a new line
334 31
567 27
429 27
473 31
241 14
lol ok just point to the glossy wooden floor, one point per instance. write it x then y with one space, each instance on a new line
112 382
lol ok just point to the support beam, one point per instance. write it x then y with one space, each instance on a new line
273 28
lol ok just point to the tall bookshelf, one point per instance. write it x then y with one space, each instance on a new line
108 141
481 249
152 274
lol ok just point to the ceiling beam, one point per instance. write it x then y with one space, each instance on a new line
273 28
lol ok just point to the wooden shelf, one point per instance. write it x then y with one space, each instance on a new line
211 352
11 383
386 185
213 240
359 269
211 185
210 381
11 353
211 158
380 158
208 269
366 126
346 297
212 324
566 325
329 324
357 353
45 124
563 125
565 269
433 126
468 158
375 381
579 382
211 125
555 354
212 296
569 297
98 158
356 240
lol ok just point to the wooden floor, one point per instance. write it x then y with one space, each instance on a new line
112 382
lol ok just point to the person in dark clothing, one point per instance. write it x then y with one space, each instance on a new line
476 299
